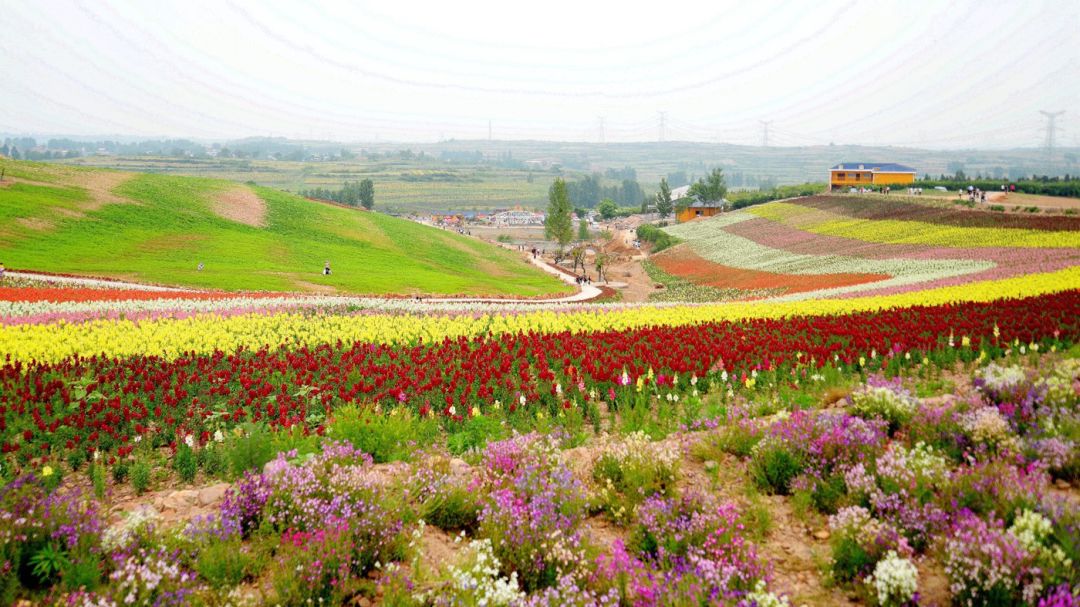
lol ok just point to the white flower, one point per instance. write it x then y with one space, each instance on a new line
189 440
452 410
895 580
218 436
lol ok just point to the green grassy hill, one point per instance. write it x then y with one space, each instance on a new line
158 228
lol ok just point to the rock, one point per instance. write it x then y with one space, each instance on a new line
213 494
1062 484
180 500
711 466
822 534
364 602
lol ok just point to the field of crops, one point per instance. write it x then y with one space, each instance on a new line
843 246
906 434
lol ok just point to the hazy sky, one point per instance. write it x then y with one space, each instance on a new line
931 74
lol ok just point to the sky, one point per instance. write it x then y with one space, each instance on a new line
935 74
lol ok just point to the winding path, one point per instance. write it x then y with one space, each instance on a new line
585 292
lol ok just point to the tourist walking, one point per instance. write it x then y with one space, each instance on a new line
326 269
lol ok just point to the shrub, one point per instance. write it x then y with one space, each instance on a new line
447 501
140 476
248 447
895 580
534 511
986 565
225 564
884 399
658 237
630 470
476 580
474 433
184 463
385 436
120 472
774 465
859 541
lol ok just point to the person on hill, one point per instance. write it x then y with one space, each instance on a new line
1 270
326 269
201 266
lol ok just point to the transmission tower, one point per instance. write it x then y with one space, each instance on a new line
765 132
600 127
1051 117
663 121
489 129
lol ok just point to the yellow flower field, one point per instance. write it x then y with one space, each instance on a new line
205 333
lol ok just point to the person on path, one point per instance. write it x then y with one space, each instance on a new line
326 269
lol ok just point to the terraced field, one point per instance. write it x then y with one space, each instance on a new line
842 247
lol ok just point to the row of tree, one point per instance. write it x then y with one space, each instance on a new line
353 193
588 191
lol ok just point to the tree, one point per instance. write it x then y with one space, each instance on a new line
583 229
367 194
601 263
578 255
711 188
663 199
559 224
608 209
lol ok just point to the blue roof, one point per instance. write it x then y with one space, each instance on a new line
888 167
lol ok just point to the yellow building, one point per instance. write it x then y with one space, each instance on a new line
867 174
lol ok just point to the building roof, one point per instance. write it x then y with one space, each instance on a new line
701 204
885 167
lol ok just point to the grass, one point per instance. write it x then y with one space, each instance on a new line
165 226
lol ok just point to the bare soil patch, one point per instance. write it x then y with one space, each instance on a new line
100 186
242 205
35 223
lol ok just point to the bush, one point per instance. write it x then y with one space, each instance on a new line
385 437
120 472
140 476
184 463
629 471
225 563
248 447
887 400
474 433
211 459
659 238
773 465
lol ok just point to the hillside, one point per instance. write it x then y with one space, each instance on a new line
158 228
845 246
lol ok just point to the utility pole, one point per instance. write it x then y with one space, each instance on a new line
663 121
765 132
1051 117
600 124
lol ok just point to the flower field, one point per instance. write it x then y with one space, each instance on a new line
905 433
822 247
